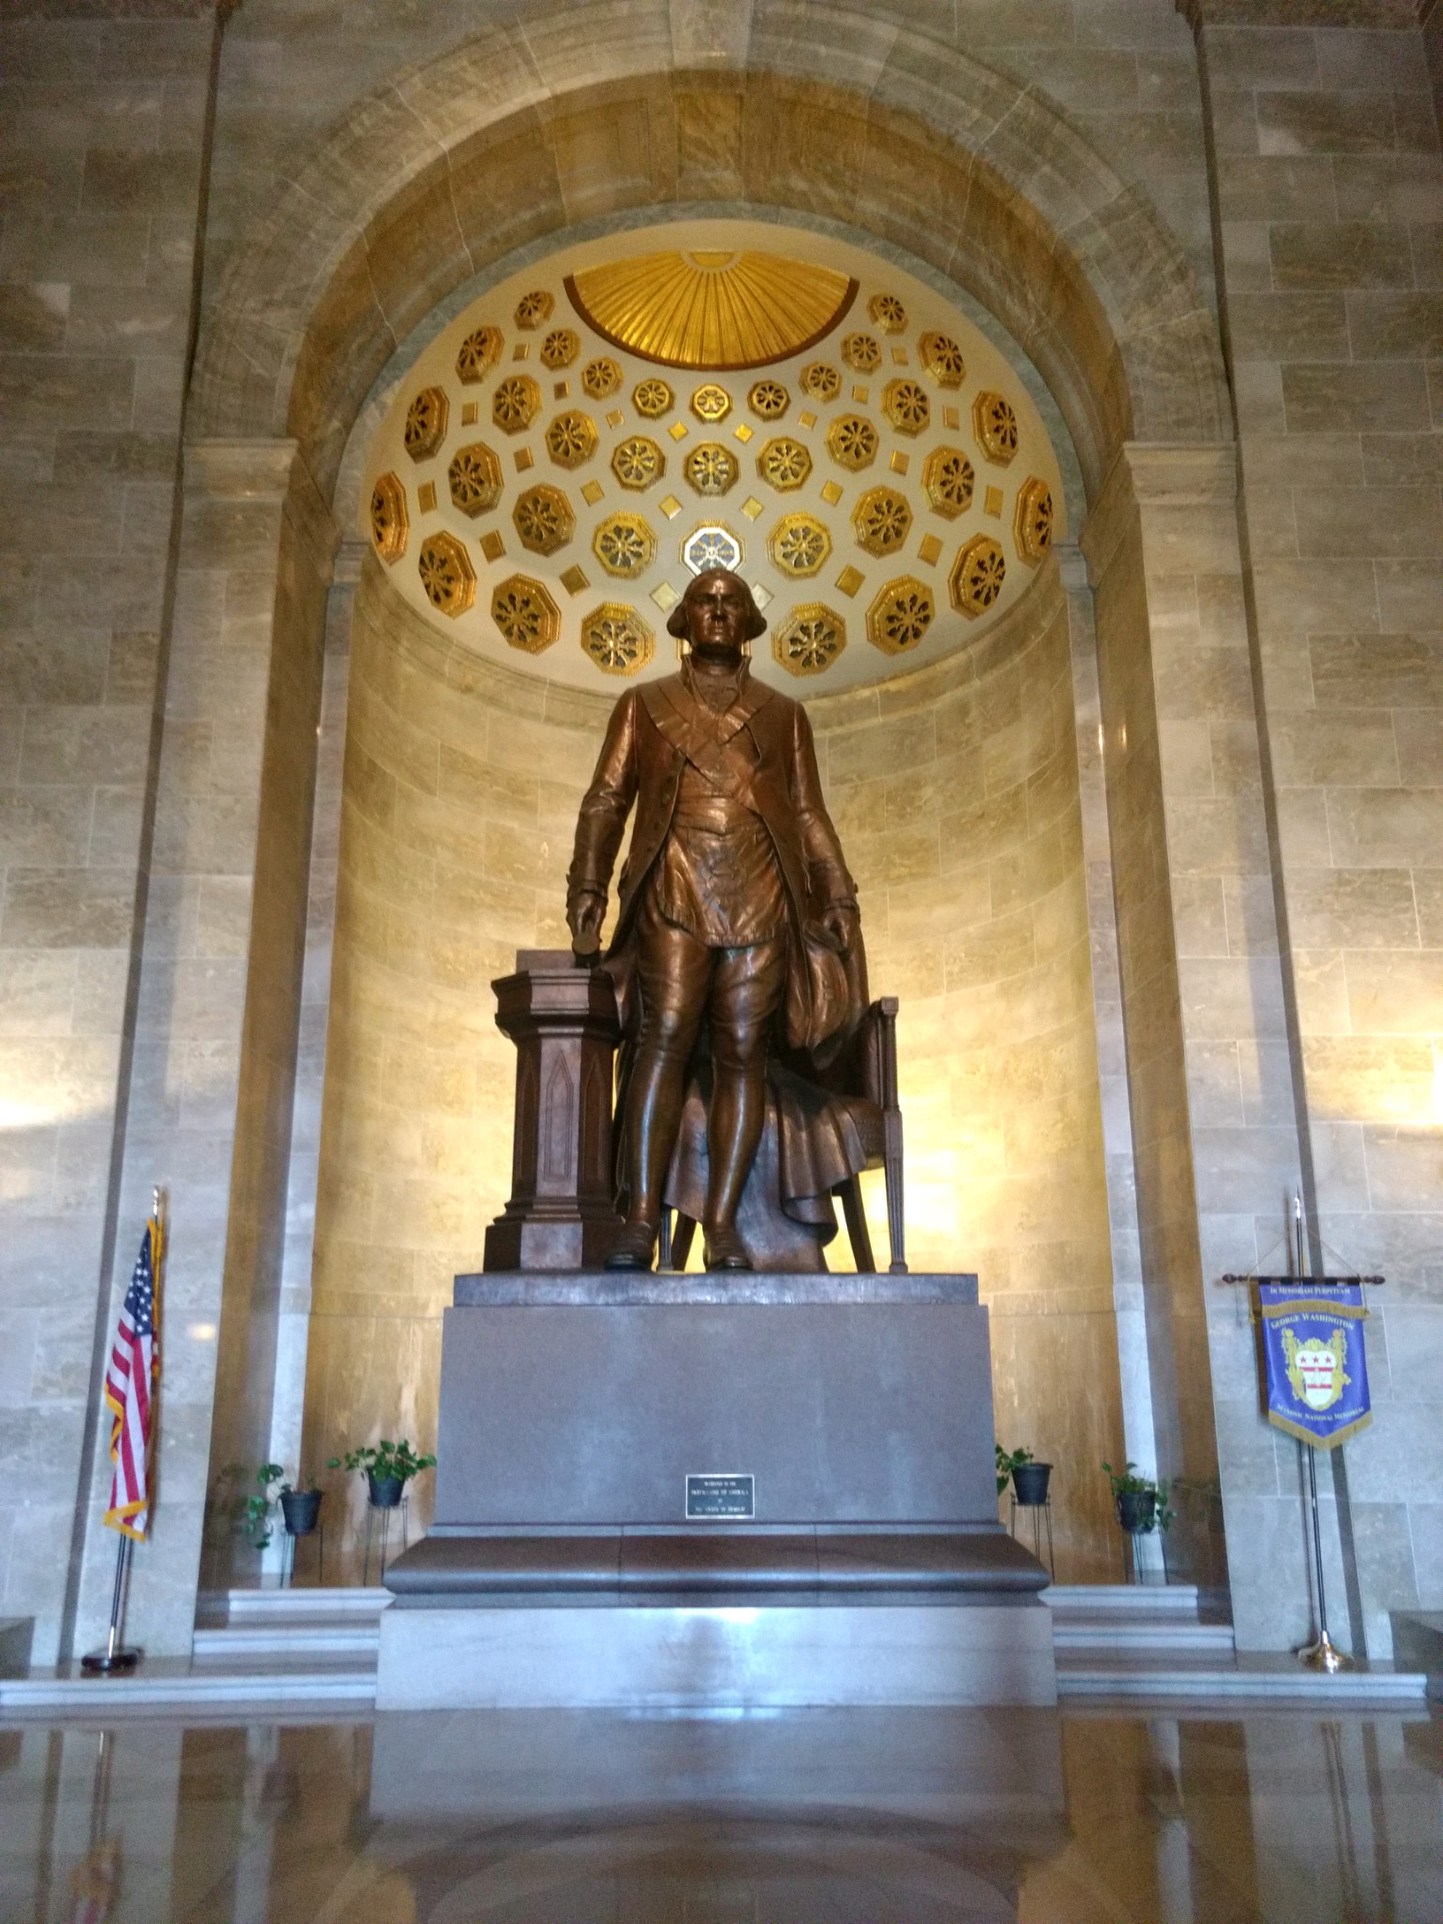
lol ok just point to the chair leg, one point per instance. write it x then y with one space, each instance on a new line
893 1161
850 1192
681 1237
663 1244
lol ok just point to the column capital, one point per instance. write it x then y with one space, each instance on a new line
1156 474
1400 14
267 469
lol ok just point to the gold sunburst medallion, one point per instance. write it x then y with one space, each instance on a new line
711 308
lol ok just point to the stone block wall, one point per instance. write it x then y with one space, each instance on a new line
955 792
102 156
1330 214
460 793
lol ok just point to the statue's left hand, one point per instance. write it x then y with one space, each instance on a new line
840 921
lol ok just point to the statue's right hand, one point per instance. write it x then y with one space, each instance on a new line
585 912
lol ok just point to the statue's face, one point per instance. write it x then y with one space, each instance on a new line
718 610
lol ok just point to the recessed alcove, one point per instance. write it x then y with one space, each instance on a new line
952 774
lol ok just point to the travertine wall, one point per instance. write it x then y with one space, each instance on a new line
955 792
460 792
102 156
1330 198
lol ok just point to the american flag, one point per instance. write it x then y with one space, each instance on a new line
130 1392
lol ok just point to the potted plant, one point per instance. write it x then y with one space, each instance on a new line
1029 1478
255 1510
300 1506
1141 1503
389 1467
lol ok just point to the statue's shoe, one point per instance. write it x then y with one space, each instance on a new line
726 1250
633 1247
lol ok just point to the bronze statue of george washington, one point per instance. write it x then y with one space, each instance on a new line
737 914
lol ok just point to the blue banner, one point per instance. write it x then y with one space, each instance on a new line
1317 1371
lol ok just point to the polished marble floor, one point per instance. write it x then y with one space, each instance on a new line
823 1817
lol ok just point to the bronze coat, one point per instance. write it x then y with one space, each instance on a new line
641 761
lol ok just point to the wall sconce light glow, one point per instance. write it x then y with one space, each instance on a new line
202 1332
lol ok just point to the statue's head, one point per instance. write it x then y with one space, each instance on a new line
717 613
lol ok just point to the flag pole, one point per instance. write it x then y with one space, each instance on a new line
119 1658
1322 1653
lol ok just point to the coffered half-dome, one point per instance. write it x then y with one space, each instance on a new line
595 430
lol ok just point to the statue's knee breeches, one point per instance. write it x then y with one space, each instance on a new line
674 975
746 992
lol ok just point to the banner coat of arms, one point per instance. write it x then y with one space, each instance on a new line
1317 1371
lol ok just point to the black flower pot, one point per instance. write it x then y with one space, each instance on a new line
1029 1481
301 1510
385 1490
1137 1510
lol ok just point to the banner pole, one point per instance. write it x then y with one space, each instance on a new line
1322 1653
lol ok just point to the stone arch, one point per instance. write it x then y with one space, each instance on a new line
583 114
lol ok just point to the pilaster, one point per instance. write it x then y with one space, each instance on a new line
210 1106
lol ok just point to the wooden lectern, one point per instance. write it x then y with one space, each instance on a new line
561 1015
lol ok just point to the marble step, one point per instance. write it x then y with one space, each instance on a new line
294 1637
1120 1633
227 1608
161 1686
1260 1679
1126 1600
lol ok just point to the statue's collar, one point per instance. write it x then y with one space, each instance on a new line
675 700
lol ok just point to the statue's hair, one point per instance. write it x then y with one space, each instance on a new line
756 620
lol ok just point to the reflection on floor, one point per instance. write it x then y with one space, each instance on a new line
825 1817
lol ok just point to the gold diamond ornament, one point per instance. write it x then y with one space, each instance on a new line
446 574
617 639
625 545
525 613
977 575
900 615
810 639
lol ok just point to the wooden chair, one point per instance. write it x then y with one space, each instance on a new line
867 1075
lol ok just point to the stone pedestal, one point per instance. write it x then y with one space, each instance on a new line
562 1568
562 1017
